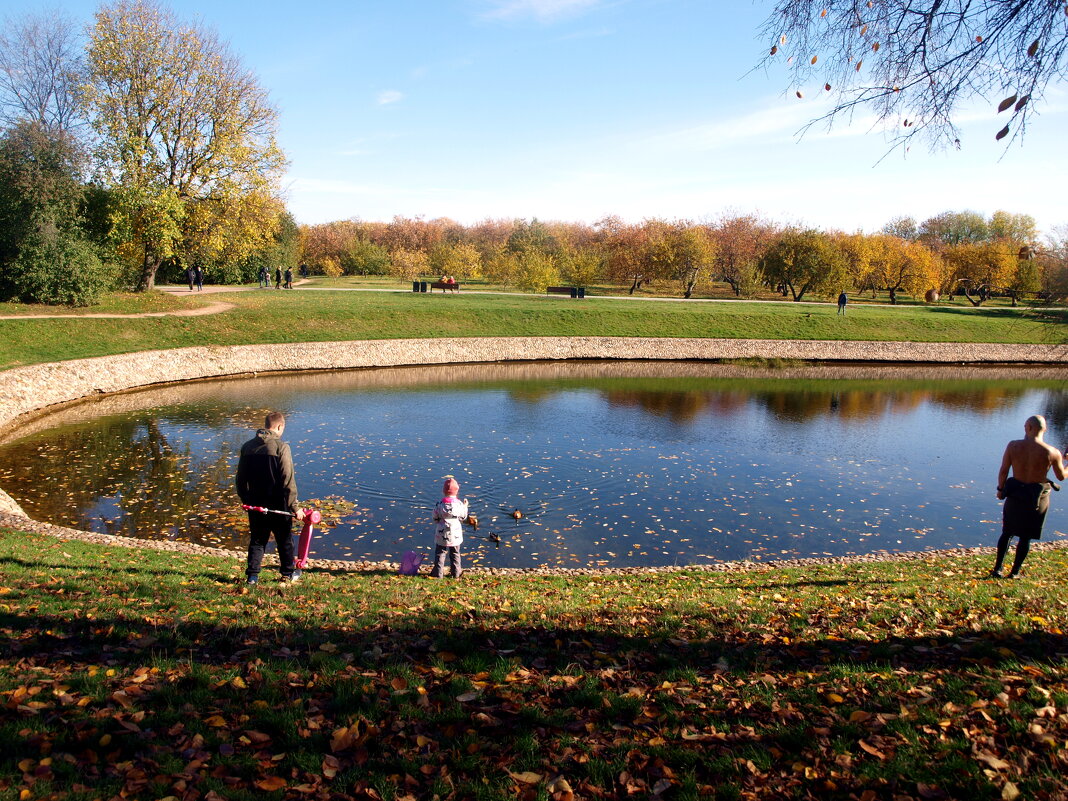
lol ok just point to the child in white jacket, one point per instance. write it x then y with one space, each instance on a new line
449 512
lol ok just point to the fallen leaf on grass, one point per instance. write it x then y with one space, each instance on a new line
871 749
991 760
526 777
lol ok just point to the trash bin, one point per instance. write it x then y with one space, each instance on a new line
415 286
422 286
582 291
574 292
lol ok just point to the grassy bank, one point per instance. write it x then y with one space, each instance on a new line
307 316
157 675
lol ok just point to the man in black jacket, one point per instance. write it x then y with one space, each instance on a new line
265 478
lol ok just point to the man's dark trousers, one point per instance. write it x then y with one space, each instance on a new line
261 527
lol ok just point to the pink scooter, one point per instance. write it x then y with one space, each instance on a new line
311 517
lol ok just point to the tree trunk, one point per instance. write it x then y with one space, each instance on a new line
149 268
893 296
691 282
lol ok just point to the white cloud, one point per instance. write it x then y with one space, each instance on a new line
543 10
782 121
389 96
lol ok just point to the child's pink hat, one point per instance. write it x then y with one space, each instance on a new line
451 487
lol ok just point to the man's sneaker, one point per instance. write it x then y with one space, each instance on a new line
252 581
292 579
996 574
1014 575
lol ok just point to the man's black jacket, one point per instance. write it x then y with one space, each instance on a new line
265 473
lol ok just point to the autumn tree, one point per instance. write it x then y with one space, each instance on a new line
535 270
904 227
978 270
581 266
954 228
284 248
1053 258
859 251
415 233
740 242
1020 229
533 236
460 260
409 264
804 261
363 257
185 133
899 265
679 251
915 63
623 247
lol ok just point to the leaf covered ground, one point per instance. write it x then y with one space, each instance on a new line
129 673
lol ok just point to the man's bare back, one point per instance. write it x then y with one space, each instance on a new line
1030 459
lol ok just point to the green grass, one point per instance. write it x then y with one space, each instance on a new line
156 673
315 316
114 303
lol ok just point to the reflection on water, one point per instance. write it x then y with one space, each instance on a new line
633 463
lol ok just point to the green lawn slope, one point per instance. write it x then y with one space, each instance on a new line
141 674
323 315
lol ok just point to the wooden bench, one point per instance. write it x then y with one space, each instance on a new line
444 287
573 291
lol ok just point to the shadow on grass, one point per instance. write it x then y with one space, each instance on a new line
148 572
596 705
417 638
1051 315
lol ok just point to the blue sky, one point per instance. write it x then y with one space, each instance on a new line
575 109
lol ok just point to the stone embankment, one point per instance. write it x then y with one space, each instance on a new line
25 390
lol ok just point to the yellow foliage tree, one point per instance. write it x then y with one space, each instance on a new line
410 264
185 135
978 269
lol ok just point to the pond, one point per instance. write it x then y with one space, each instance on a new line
609 464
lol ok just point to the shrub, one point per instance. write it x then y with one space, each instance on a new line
57 267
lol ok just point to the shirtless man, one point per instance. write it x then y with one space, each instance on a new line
1026 493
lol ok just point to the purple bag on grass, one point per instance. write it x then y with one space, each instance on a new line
410 563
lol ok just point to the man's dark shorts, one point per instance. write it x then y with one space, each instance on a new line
1025 509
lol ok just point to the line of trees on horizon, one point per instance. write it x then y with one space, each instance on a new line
144 148
951 253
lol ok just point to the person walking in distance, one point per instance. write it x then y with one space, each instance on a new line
1026 491
842 301
265 478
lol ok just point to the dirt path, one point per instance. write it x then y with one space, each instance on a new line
211 308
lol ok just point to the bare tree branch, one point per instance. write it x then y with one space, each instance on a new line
915 63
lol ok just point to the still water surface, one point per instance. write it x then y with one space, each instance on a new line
609 464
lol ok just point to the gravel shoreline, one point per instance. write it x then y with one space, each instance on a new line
347 566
